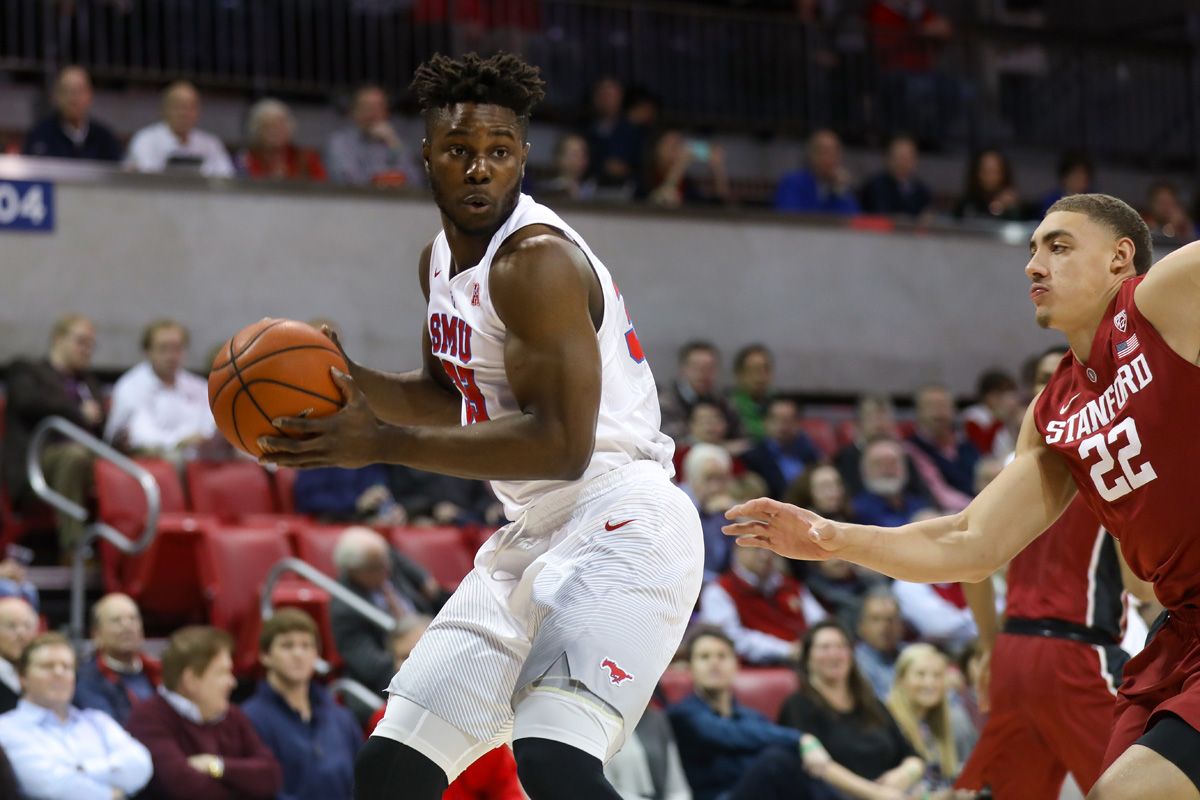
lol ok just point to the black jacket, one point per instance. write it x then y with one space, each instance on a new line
48 139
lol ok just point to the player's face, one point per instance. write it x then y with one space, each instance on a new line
713 664
475 156
1069 268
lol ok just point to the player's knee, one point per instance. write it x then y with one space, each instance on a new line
548 770
383 764
1109 788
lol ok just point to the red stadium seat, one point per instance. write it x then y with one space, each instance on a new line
229 489
285 495
165 580
295 592
763 689
234 563
439 550
121 503
821 432
847 432
315 544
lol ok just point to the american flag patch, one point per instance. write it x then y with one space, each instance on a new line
1128 346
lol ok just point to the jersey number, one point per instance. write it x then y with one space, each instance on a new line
1112 487
464 379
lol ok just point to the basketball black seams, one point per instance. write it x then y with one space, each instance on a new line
237 367
247 346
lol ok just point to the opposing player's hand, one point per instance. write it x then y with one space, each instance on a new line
983 682
788 530
344 439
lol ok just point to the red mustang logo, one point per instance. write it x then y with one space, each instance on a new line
615 673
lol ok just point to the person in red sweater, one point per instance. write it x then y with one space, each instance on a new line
200 744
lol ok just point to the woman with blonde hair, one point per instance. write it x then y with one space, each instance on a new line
920 703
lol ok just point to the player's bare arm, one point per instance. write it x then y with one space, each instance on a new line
1142 590
421 397
1169 298
1012 511
541 289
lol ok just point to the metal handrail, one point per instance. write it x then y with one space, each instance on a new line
358 691
96 529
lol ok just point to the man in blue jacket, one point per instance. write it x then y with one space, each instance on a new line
119 674
314 739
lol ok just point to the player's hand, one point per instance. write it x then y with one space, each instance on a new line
788 530
983 682
344 439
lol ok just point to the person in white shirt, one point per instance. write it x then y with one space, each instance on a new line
18 626
176 138
158 407
58 751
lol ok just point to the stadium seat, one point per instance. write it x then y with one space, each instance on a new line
820 430
315 544
847 432
763 689
229 489
439 550
121 503
234 563
284 480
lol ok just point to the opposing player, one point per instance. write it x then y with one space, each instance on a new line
1117 424
534 378
1056 664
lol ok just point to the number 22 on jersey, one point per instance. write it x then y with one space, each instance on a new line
1115 478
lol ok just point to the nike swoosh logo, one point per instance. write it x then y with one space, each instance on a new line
1063 410
437 272
609 526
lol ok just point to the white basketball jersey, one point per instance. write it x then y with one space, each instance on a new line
468 337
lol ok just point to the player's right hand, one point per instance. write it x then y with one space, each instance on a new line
786 529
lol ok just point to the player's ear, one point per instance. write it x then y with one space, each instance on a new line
1123 253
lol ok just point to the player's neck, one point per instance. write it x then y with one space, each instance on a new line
1081 338
466 248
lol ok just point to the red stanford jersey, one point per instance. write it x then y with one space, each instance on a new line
1128 426
1071 573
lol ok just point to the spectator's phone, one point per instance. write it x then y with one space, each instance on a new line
22 555
701 150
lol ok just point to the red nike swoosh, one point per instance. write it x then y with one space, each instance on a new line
609 526
436 273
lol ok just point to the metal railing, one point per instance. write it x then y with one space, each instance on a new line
96 529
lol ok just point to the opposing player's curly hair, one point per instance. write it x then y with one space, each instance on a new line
503 80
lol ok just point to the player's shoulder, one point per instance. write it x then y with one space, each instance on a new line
423 266
534 253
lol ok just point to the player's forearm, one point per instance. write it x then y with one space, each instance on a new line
407 398
936 550
981 599
517 447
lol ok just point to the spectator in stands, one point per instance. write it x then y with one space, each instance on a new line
648 766
1075 176
18 626
708 424
669 181
720 739
314 739
202 745
883 500
821 187
120 674
159 408
1165 213
708 479
570 179
991 424
14 582
71 131
394 584
822 490
760 607
429 498
879 632
906 33
945 458
339 494
8 779
63 753
370 151
699 372
271 151
897 190
176 141
61 385
753 373
938 612
940 734
614 143
989 191
867 753
785 452
876 419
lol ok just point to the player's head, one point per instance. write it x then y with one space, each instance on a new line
476 114
1047 363
1086 245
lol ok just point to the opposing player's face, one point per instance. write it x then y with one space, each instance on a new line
475 156
1070 270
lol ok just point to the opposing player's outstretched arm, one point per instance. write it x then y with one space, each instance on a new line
1027 496
540 288
421 397
1170 298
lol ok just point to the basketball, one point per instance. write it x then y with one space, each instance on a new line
273 368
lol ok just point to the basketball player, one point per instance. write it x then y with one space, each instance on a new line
1055 667
1116 424
534 378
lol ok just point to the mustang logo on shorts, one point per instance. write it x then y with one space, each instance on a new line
615 673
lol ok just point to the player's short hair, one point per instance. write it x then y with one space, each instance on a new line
995 380
49 639
158 325
743 355
503 80
696 345
709 632
287 620
194 648
1116 215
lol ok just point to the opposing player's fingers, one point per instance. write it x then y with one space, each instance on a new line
299 424
762 508
753 541
332 336
751 527
345 384
286 444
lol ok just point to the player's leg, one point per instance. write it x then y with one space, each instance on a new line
552 770
384 764
1162 765
1079 724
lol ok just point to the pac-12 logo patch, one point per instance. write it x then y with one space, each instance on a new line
615 673
1121 320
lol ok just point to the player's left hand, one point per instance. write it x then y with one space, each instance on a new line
344 439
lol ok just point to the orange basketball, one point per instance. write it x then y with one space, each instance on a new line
273 368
